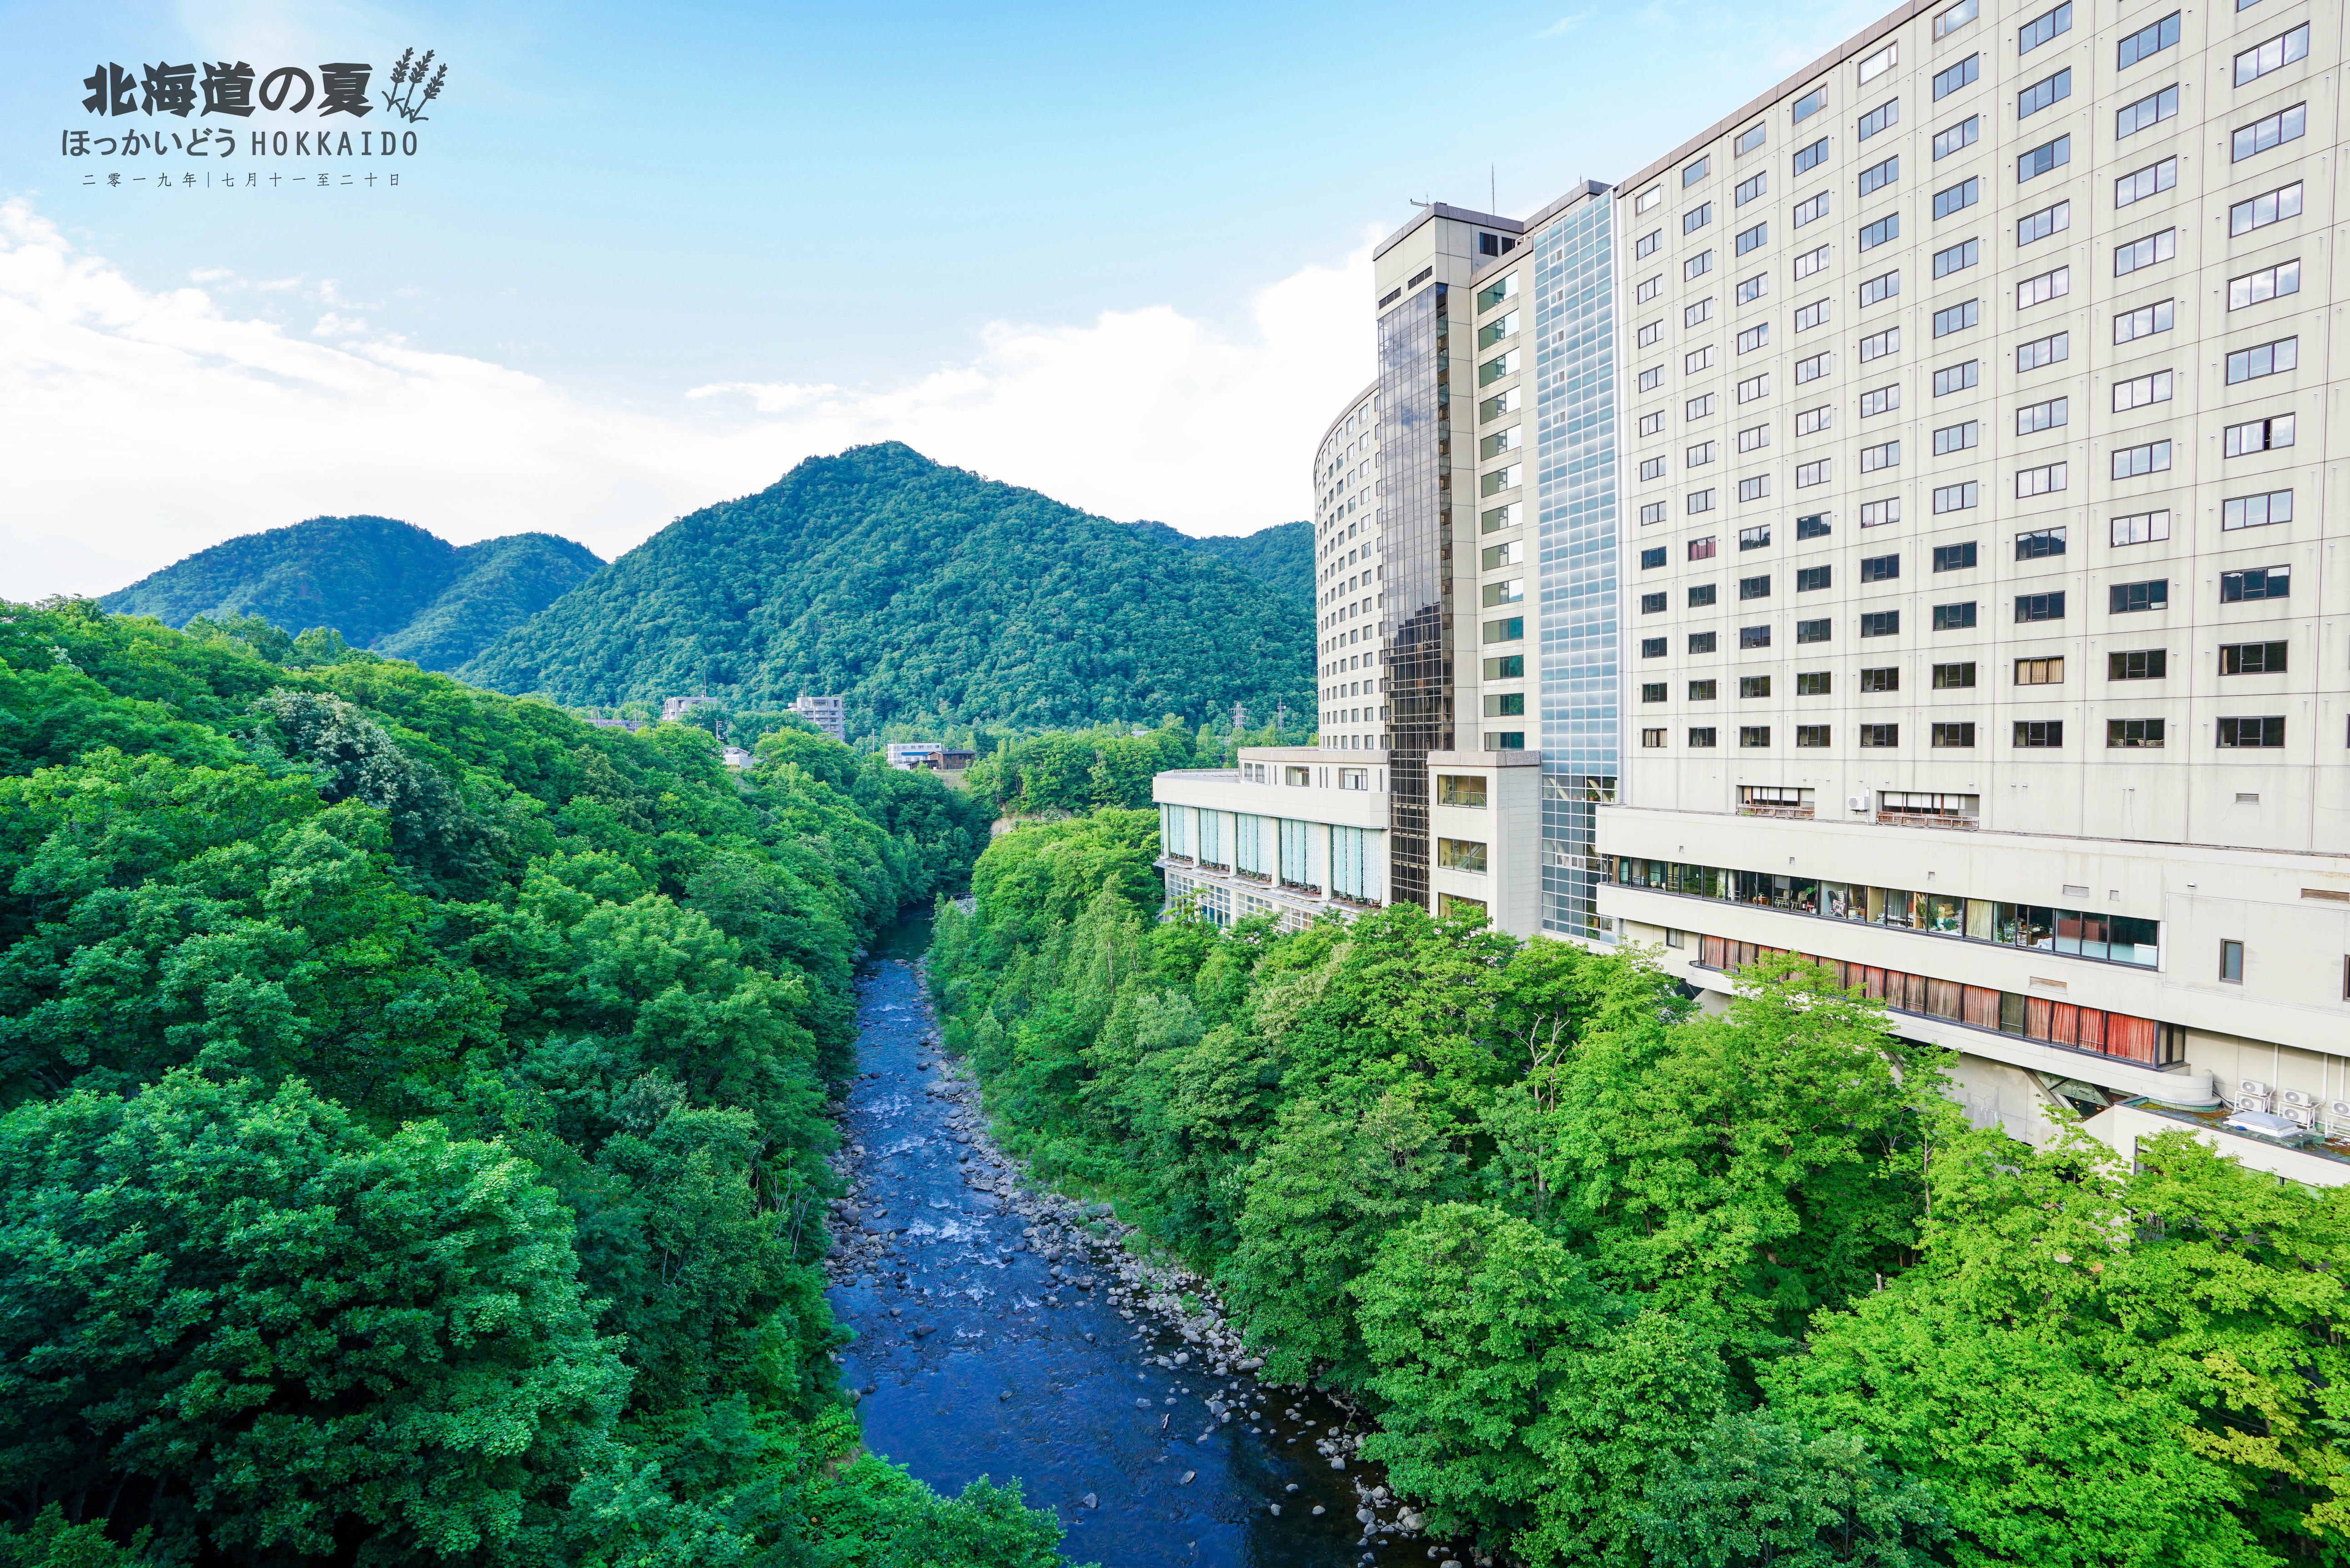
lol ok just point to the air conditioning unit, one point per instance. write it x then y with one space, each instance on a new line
1858 802
2252 1088
2295 1097
2301 1115
2339 1113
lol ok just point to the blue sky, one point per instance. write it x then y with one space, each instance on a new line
645 257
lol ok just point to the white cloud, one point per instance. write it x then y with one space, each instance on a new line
144 424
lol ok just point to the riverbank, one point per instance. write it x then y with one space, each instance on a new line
1005 1330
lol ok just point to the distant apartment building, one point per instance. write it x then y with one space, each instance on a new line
1893 527
826 713
673 709
908 755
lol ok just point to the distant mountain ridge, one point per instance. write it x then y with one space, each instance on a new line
383 583
920 592
1282 554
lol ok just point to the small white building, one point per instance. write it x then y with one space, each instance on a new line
908 755
1299 831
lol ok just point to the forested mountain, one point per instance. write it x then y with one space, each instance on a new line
1281 555
924 593
384 584
417 1147
1625 1284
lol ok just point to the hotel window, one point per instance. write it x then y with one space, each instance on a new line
1955 497
2267 731
2151 109
2154 180
1810 734
1700 642
1699 501
2040 672
2039 607
2043 29
1702 690
1652 377
1885 230
1946 82
2042 93
1954 618
2145 320
1754 438
1755 337
1880 734
1753 637
1654 512
1954 676
1876 291
1886 678
1961 735
1697 266
1810 158
1958 198
1812 527
1697 408
1701 549
1697 359
1958 258
1809 579
2041 159
1459 855
1880 568
1755 588
1809 211
2039 226
1752 239
1652 648
2131 462
2130 599
1652 691
1810 104
1754 734
1701 738
2257 435
2133 734
1646 244
2145 253
1650 288
1964 134
1877 514
1887 454
2142 528
2231 962
1883 116
1810 262
2253 658
2255 583
1811 421
1753 186
2264 359
2033 418
1652 738
2042 351
1810 473
2255 288
1813 369
1697 218
2137 664
1651 424
1700 594
1954 557
1877 176
2269 207
1754 288
1812 315
2039 735
1694 314
1815 684
1754 387
1755 488
1957 438
1813 630
2285 125
2044 479
1753 137
1652 604
2275 55
1881 623
1699 456
2043 287
1883 399
2148 41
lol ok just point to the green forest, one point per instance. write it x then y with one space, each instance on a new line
928 596
1627 1284
1074 771
379 583
415 1130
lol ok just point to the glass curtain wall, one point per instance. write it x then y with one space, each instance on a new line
1415 516
1575 477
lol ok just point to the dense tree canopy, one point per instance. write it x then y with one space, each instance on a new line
418 1118
381 584
924 593
1627 1282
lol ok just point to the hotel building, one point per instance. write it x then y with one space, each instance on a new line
1962 613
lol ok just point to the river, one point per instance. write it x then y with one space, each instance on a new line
1018 1345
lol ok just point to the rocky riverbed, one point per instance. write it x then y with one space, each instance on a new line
1003 1330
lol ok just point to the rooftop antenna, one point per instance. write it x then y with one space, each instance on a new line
1493 188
